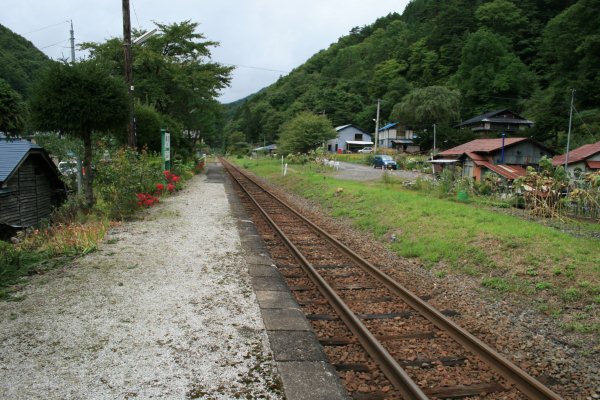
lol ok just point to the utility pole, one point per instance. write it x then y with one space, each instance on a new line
376 129
78 174
433 152
72 43
131 140
569 134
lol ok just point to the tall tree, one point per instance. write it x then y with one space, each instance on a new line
12 110
490 74
78 100
303 133
426 106
172 72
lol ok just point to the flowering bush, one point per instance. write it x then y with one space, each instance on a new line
122 176
146 200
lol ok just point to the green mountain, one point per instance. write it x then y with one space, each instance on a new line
523 55
20 61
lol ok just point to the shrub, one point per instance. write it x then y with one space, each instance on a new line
120 179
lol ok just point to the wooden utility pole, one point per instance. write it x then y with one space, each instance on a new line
128 61
376 129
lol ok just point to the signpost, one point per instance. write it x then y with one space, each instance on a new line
166 148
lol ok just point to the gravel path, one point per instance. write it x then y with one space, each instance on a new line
357 172
165 309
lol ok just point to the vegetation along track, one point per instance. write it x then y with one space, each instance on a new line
385 341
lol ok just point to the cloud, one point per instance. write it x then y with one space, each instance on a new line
277 35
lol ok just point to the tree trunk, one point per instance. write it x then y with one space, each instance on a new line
89 173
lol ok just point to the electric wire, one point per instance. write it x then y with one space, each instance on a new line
45 27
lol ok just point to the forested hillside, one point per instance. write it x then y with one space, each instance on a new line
524 55
20 61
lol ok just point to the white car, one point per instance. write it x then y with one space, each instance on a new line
365 150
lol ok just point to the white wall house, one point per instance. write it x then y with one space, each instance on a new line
395 136
581 160
349 139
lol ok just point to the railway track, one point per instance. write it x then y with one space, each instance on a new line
385 341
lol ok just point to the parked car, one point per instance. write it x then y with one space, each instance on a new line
365 150
384 162
68 167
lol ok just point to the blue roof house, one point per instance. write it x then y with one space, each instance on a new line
30 184
396 136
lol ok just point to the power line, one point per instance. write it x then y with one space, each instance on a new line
253 67
136 16
54 44
45 27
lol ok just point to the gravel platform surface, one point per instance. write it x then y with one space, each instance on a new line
164 310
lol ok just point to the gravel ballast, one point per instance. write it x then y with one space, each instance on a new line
164 309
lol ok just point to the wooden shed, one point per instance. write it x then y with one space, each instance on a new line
30 184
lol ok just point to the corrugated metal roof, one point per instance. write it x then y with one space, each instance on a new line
593 164
388 126
507 171
12 152
490 115
579 154
339 128
361 142
481 146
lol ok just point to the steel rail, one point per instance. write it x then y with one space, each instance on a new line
390 367
527 384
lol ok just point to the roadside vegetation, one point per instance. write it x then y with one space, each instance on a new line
175 79
554 264
126 182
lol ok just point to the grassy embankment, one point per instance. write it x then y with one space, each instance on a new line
558 272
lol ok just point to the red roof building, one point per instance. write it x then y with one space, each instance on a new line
583 159
506 157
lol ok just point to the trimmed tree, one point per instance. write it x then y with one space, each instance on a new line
78 100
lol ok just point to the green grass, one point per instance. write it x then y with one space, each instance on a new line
506 253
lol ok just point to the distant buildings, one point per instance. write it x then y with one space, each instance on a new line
349 139
581 160
506 157
495 122
399 137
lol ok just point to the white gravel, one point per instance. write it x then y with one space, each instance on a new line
165 309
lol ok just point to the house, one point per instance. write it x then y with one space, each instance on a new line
581 160
349 139
494 122
506 157
270 149
30 185
396 136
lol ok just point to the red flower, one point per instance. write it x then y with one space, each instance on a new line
170 187
160 187
176 178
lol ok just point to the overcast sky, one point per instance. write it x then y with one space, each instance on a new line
264 38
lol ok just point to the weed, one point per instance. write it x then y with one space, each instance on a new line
496 283
543 285
571 294
440 274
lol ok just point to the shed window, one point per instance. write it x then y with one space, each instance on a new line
358 136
